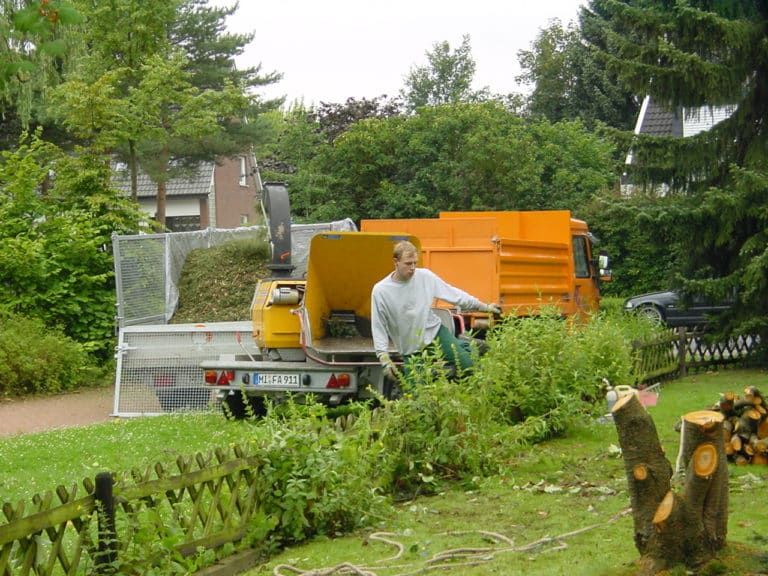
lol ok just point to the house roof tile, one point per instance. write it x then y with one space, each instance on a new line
660 120
197 182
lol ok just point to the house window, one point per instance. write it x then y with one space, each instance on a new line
243 171
182 223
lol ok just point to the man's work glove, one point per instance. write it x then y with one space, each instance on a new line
390 369
493 308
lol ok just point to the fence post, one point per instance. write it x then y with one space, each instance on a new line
105 510
682 350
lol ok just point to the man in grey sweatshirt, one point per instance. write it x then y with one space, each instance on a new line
401 311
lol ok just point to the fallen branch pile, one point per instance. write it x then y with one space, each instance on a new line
745 426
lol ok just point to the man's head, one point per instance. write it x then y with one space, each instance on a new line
406 257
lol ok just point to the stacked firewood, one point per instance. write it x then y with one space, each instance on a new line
745 426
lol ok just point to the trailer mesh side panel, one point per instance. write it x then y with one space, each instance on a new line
158 366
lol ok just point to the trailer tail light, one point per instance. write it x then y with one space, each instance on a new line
340 381
223 379
163 380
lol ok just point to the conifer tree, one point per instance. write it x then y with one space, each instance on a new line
690 54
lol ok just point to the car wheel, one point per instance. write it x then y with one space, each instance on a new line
652 312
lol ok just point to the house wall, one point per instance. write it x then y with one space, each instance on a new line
701 119
173 206
236 196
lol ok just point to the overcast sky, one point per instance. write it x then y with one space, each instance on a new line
330 50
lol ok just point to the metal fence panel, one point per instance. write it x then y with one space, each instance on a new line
140 278
148 266
158 366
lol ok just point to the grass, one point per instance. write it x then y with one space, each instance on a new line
550 490
36 463
574 485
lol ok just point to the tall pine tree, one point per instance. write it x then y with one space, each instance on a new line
693 53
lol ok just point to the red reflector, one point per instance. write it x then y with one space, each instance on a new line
332 382
211 377
226 377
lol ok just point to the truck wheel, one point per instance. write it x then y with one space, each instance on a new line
258 405
234 407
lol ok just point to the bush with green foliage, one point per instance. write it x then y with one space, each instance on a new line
437 432
543 371
59 213
36 359
638 239
316 478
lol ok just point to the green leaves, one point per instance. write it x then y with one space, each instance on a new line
452 157
54 256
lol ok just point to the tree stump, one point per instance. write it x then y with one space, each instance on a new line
670 529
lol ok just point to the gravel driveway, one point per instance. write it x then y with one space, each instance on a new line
61 411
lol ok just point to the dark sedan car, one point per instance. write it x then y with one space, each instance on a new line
668 308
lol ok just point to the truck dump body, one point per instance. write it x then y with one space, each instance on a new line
522 260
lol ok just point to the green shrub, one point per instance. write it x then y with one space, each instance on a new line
544 371
434 433
35 359
55 260
316 478
612 306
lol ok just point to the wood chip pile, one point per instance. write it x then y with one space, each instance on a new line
745 426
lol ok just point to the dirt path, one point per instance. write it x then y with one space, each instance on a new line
61 411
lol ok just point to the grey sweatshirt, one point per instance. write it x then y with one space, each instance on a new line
402 311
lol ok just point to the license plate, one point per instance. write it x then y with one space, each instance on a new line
276 380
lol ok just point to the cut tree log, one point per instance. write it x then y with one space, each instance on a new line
700 426
671 529
745 426
641 450
677 539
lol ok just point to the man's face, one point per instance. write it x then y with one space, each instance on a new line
405 266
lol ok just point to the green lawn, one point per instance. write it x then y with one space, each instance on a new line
543 494
550 491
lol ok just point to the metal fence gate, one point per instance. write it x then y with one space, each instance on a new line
158 366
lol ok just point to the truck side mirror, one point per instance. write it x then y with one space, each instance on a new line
603 263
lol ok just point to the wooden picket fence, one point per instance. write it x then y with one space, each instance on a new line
680 351
205 503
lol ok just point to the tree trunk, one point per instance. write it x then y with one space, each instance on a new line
161 203
648 471
672 529
133 167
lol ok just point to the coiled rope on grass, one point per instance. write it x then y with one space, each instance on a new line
451 558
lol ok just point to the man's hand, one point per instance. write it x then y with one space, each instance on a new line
493 308
390 369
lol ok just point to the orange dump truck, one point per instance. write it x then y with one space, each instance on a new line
522 260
